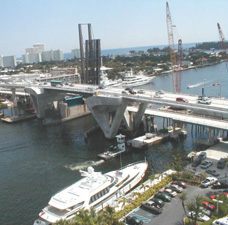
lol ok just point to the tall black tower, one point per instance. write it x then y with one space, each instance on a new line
90 57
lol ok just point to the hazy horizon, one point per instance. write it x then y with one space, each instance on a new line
119 24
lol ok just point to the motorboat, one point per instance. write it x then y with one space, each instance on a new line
95 190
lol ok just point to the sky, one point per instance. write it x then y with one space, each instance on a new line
118 23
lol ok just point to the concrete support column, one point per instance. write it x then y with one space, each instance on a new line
101 107
139 115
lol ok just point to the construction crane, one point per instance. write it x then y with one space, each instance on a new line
170 36
180 53
176 77
221 36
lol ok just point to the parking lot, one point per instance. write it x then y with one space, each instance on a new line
173 212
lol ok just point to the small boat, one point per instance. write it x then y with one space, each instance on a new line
109 154
114 150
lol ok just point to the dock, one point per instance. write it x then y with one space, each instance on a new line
15 119
150 139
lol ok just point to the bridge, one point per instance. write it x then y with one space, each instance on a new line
109 106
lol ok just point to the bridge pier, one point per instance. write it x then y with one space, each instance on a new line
101 107
43 100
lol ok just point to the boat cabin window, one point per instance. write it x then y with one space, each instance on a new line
98 195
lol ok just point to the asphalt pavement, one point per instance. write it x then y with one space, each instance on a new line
173 212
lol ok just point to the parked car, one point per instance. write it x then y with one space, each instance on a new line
196 162
151 208
220 185
176 188
214 173
133 220
158 201
206 212
180 183
180 99
202 155
208 205
154 204
206 164
164 197
221 163
221 221
200 216
169 192
208 181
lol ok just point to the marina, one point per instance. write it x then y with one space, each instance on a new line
54 153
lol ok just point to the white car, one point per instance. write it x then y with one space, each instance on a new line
208 181
176 188
170 191
200 216
204 100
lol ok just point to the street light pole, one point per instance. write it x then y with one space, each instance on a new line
218 202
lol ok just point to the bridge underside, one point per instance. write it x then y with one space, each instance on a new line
110 112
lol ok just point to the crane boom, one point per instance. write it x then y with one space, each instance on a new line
170 35
221 36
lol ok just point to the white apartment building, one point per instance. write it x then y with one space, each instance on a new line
1 61
52 55
47 56
9 61
75 53
57 55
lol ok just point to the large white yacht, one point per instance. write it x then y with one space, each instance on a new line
104 81
95 190
133 80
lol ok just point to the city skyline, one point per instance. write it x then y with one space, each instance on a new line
119 24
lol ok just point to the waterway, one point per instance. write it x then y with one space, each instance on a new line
38 161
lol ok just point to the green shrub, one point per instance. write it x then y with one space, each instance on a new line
143 197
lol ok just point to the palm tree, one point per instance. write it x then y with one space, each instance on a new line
85 217
183 198
195 207
144 186
122 200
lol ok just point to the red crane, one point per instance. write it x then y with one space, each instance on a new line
176 77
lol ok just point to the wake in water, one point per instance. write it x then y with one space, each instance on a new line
199 84
84 165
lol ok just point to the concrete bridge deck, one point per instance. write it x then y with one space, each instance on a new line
187 118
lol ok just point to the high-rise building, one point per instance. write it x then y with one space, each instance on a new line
52 55
9 61
75 53
39 47
1 61
57 55
47 56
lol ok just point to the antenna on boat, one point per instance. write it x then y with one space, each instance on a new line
120 139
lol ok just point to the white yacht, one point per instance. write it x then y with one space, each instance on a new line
95 190
104 81
133 80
